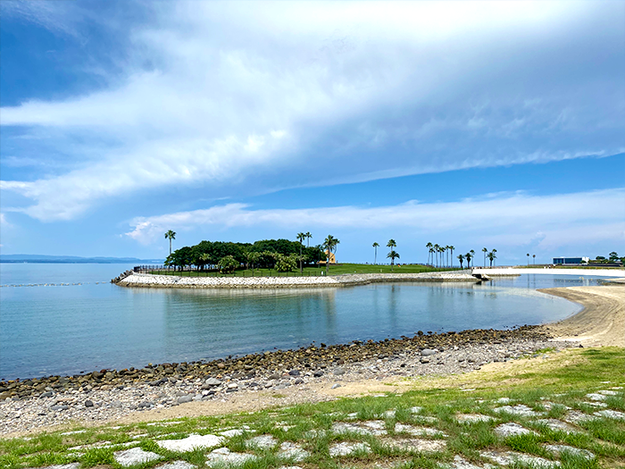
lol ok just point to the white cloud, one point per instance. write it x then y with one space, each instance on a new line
506 219
275 94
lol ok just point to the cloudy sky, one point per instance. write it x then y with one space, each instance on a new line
474 124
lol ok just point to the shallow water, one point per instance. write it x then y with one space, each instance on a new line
69 329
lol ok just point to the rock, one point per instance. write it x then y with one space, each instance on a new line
59 407
508 458
185 399
338 371
611 414
294 372
47 394
415 444
334 386
177 465
292 451
427 352
88 403
134 456
425 360
470 418
262 442
559 449
212 382
318 374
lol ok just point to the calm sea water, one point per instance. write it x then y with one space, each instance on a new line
70 329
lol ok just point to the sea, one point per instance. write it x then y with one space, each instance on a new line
66 319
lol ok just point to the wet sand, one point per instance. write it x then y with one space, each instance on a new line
601 323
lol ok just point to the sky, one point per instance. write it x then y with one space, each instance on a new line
472 124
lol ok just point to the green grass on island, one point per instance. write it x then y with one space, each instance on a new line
338 269
569 405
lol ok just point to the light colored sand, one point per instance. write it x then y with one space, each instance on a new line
601 323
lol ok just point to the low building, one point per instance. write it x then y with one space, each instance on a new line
570 260
331 257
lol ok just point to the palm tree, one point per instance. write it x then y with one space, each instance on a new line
330 244
472 256
392 256
484 250
432 254
308 236
468 256
491 256
170 235
301 237
528 259
429 247
494 251
375 248
436 250
451 248
534 258
461 259
441 250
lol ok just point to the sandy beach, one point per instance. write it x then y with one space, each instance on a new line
601 323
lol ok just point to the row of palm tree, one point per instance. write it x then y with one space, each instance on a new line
435 255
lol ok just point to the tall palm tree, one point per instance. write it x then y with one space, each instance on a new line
494 251
429 247
170 235
484 250
391 244
301 237
392 256
534 258
461 259
436 251
451 248
375 248
472 256
528 258
441 250
468 256
330 244
491 257
308 236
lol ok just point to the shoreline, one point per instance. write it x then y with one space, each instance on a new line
600 323
308 374
337 281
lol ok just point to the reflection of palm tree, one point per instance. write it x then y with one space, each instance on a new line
170 235
375 248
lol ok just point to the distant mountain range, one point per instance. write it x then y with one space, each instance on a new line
41 259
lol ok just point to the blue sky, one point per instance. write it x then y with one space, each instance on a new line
473 124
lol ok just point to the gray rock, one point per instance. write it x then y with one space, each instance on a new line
88 403
47 394
211 382
176 465
294 373
59 407
318 374
427 352
334 386
185 399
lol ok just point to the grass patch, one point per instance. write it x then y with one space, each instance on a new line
562 381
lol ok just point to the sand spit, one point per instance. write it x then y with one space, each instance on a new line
172 281
601 323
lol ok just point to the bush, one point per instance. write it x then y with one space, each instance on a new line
286 264
227 265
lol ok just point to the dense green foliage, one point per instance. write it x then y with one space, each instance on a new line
261 254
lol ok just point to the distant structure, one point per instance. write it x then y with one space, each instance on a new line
331 258
570 260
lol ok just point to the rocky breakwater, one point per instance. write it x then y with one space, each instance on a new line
108 394
172 281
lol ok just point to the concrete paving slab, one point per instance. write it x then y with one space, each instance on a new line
292 451
512 429
415 444
520 409
223 456
262 442
133 456
510 457
347 449
611 414
470 418
559 449
176 465
191 443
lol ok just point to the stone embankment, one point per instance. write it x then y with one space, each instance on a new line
172 281
110 394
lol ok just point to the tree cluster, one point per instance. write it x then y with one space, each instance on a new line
280 254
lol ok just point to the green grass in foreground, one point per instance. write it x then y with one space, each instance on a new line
339 269
554 388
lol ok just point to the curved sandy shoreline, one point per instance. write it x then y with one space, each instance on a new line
600 323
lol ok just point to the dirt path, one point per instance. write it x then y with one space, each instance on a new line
601 323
